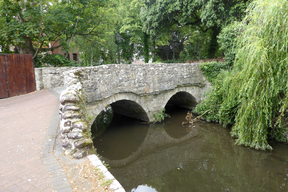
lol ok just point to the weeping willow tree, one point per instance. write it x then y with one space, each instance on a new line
254 95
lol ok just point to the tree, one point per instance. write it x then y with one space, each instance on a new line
31 25
98 45
254 95
131 28
165 16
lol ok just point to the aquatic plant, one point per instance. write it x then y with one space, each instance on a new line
159 117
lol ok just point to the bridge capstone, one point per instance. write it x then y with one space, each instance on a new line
137 90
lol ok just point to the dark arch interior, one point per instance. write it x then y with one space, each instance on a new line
129 109
181 100
177 107
121 130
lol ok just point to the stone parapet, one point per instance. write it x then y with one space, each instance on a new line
106 80
50 77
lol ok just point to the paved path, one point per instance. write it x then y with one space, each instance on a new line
28 128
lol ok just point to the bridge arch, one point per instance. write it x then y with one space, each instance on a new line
182 99
127 104
185 97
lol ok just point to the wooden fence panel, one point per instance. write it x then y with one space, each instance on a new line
15 74
20 73
3 78
29 69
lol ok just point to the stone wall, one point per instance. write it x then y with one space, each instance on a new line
106 80
50 77
143 78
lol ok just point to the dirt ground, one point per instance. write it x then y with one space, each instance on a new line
85 177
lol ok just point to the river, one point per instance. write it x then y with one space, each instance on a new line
168 157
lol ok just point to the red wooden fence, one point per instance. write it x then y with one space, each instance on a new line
16 75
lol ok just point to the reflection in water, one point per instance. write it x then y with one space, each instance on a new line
173 122
144 188
121 139
205 159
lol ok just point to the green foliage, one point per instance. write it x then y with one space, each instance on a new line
37 61
254 95
146 48
31 25
57 60
222 12
159 117
227 41
99 47
205 17
212 69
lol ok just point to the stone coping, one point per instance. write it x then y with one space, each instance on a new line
96 162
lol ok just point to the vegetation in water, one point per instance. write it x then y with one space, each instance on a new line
254 95
159 117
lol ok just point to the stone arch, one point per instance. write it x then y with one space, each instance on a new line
183 97
130 109
128 104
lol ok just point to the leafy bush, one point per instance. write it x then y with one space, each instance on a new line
58 60
55 60
37 61
227 41
212 69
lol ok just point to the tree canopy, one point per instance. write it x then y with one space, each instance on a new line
145 26
31 25
164 17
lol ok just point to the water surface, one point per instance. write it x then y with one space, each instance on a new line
169 157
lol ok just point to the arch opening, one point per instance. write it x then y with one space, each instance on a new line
177 107
125 108
123 128
130 109
181 100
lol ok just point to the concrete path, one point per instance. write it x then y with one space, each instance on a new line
28 128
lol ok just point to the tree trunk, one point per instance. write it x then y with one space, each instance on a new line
213 42
198 50
92 58
131 53
27 47
154 51
146 48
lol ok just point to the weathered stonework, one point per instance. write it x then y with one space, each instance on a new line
50 77
75 133
136 91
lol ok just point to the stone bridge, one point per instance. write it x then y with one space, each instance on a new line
136 91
